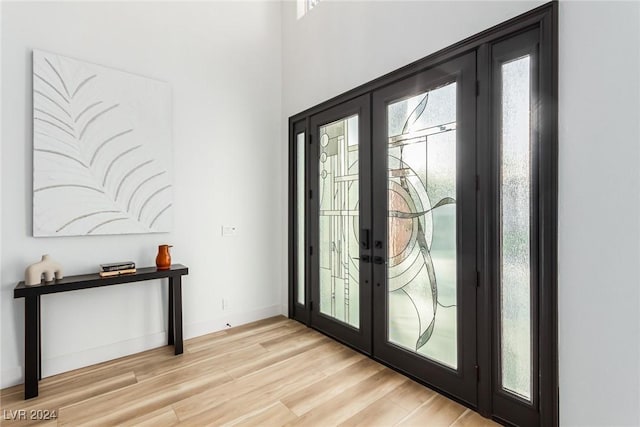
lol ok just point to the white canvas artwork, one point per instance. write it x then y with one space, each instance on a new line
102 151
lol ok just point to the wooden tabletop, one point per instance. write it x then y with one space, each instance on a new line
84 281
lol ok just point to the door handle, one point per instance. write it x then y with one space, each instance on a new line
365 258
379 260
364 238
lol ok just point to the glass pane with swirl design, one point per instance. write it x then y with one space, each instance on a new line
422 260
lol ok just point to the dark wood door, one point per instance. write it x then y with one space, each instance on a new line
424 226
339 222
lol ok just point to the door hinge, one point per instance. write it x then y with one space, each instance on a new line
477 279
310 305
477 182
311 194
477 372
310 250
309 139
477 87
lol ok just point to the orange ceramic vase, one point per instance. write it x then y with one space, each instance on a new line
163 260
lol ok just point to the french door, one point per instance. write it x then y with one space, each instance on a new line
340 213
423 219
424 226
393 268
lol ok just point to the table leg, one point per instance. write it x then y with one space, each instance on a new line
177 313
39 341
170 316
31 346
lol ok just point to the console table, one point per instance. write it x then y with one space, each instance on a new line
31 295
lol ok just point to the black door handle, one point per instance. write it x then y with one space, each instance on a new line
364 238
379 260
363 258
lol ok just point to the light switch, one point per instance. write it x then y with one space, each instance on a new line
229 230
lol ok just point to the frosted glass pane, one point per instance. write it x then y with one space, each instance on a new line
422 313
300 199
515 195
339 221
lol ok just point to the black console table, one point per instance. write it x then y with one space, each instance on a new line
31 295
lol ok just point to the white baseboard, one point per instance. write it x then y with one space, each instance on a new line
69 362
233 319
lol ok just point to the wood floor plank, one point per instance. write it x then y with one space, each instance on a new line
91 374
272 381
233 410
275 414
470 418
302 401
349 358
111 367
213 356
309 341
246 337
241 352
54 399
163 417
143 397
243 330
11 391
437 412
410 395
352 400
273 372
382 412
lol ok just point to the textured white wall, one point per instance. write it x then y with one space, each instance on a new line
340 45
222 60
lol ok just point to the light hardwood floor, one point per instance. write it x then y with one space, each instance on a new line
273 372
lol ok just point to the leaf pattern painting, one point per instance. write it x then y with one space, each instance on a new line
101 150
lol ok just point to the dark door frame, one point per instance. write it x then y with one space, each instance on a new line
544 22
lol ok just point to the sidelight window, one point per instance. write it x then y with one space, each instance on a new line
300 215
515 227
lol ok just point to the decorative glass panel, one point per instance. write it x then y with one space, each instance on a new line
515 195
300 199
339 221
422 225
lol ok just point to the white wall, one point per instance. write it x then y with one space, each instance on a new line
599 213
223 62
1 244
340 45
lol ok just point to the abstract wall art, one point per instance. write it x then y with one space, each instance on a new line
102 150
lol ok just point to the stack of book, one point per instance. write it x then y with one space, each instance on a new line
117 268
